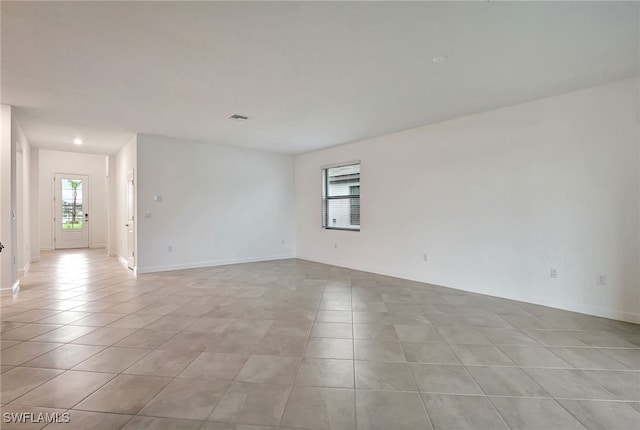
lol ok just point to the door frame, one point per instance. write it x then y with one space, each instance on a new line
54 228
131 220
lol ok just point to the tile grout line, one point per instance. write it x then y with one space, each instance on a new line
71 369
524 369
485 396
284 410
353 357
376 286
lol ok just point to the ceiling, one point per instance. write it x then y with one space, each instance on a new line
308 74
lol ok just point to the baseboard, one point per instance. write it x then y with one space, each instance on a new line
25 269
184 266
16 286
92 246
35 259
123 261
580 308
597 311
613 314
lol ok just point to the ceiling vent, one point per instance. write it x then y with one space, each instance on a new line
238 117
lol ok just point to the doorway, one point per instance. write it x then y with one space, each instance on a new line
71 203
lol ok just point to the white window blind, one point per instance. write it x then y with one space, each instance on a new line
341 197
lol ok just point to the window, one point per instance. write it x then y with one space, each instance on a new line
354 190
341 197
71 204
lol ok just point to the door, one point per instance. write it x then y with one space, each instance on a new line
130 225
71 219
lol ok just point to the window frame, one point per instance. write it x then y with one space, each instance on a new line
326 197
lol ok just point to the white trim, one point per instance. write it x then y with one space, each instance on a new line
123 261
171 267
125 264
25 269
35 259
346 163
133 178
52 218
47 248
97 245
16 286
54 224
581 308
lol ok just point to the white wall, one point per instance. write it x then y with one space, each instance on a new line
219 204
34 216
112 237
23 196
51 162
125 161
8 271
496 200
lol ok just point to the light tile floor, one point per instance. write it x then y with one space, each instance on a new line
298 345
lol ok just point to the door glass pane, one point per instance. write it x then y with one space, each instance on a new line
72 213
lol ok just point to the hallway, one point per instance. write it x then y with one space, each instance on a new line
292 344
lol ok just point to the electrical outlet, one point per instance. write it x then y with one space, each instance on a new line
170 248
425 257
553 273
601 279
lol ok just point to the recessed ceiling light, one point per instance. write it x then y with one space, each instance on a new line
77 141
238 117
439 59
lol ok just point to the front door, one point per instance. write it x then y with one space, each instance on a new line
71 205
